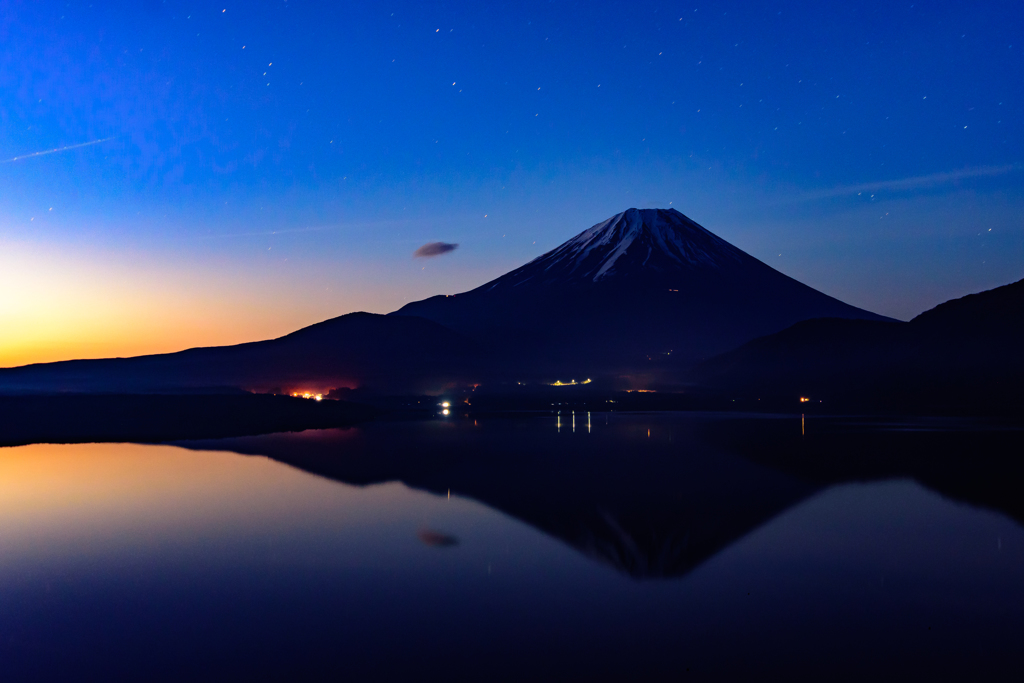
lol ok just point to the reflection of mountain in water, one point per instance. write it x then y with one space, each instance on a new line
651 506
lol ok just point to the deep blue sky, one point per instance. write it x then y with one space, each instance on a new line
264 165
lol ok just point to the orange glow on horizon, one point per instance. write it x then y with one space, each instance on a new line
55 308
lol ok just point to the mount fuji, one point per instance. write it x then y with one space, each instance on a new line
644 291
639 298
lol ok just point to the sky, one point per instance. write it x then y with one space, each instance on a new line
178 174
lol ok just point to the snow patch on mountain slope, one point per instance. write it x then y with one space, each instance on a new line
594 253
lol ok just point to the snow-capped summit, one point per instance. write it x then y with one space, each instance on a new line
657 240
638 287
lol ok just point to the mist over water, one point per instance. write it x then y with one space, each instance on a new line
597 545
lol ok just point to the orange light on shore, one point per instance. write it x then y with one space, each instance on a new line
804 399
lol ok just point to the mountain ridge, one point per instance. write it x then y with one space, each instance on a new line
636 300
623 294
352 349
962 354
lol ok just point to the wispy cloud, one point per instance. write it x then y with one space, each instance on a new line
354 227
263 233
914 183
434 249
55 150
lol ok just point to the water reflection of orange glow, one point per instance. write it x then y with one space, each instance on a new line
54 496
91 509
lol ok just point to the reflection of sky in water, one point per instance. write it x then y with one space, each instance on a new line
107 508
155 561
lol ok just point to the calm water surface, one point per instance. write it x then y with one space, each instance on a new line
606 546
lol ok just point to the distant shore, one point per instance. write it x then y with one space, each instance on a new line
155 418
81 418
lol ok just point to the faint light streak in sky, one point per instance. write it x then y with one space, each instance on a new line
359 226
913 183
265 232
58 149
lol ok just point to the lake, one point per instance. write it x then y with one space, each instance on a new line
604 546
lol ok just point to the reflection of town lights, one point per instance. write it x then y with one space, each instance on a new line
445 405
445 411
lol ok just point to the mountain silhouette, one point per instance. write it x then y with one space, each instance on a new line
640 291
964 354
390 353
640 297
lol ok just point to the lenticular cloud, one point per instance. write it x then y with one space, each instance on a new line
431 249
